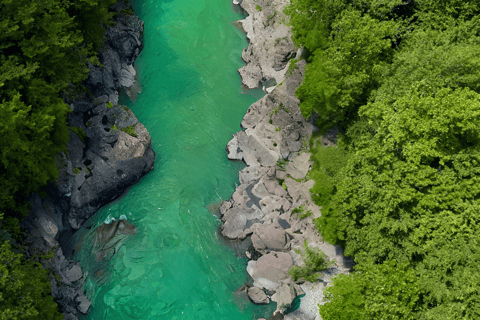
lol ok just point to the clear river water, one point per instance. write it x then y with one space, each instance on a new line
177 266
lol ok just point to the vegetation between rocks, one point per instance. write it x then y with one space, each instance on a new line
25 288
130 130
302 214
315 261
79 132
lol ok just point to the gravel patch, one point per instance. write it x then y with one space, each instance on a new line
309 304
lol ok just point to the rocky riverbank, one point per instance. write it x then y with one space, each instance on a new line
274 146
109 150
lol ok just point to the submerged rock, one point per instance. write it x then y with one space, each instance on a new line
109 236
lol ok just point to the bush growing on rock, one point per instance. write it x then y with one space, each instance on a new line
130 130
315 261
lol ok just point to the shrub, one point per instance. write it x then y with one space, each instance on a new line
315 261
130 130
282 163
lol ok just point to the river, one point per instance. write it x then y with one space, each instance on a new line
176 266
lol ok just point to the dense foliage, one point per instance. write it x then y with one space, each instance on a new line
24 288
44 50
401 80
39 41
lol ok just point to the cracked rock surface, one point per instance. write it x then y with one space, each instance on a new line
274 146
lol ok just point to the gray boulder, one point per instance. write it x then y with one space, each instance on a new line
299 166
271 237
112 161
258 296
70 316
83 304
273 267
284 296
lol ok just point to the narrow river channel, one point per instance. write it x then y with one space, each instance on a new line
176 267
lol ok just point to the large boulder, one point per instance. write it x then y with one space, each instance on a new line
299 166
273 267
251 150
83 304
238 220
284 296
271 237
112 161
258 296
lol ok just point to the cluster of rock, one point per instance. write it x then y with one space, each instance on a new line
274 146
108 151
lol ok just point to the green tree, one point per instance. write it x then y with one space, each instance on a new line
38 42
449 275
374 291
402 78
312 20
24 288
92 16
438 58
340 78
414 180
29 140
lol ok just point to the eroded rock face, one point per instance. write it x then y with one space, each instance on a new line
112 161
270 45
95 170
120 51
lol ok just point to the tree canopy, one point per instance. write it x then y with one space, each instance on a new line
44 50
39 41
401 81
24 288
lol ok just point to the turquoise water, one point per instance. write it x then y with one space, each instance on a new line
176 267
